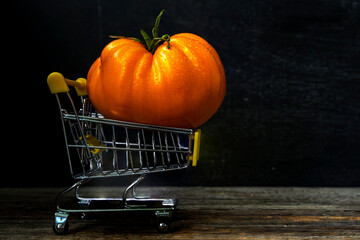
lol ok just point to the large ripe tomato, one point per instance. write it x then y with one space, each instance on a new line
181 84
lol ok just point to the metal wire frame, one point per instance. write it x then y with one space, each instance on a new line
120 148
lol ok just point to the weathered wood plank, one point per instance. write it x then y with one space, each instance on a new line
203 213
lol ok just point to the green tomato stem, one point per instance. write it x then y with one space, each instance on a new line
153 44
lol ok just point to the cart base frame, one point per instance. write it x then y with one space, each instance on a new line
163 208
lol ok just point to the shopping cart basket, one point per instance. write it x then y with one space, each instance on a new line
98 148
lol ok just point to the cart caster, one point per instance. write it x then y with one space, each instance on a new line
61 230
61 225
163 221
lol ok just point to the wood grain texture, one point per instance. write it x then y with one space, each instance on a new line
203 213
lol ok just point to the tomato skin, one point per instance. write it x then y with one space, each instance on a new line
179 87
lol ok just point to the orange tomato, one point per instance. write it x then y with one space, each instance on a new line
181 86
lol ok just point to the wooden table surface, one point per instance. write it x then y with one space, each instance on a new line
203 213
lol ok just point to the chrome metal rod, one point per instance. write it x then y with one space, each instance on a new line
132 185
76 185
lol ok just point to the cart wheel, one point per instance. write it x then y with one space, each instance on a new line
61 229
164 226
163 221
61 225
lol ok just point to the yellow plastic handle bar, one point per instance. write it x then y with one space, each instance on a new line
58 84
196 149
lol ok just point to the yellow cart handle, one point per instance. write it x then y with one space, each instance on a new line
194 157
58 84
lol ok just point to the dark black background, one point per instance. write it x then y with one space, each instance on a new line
291 115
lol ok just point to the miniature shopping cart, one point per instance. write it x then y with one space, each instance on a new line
99 148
